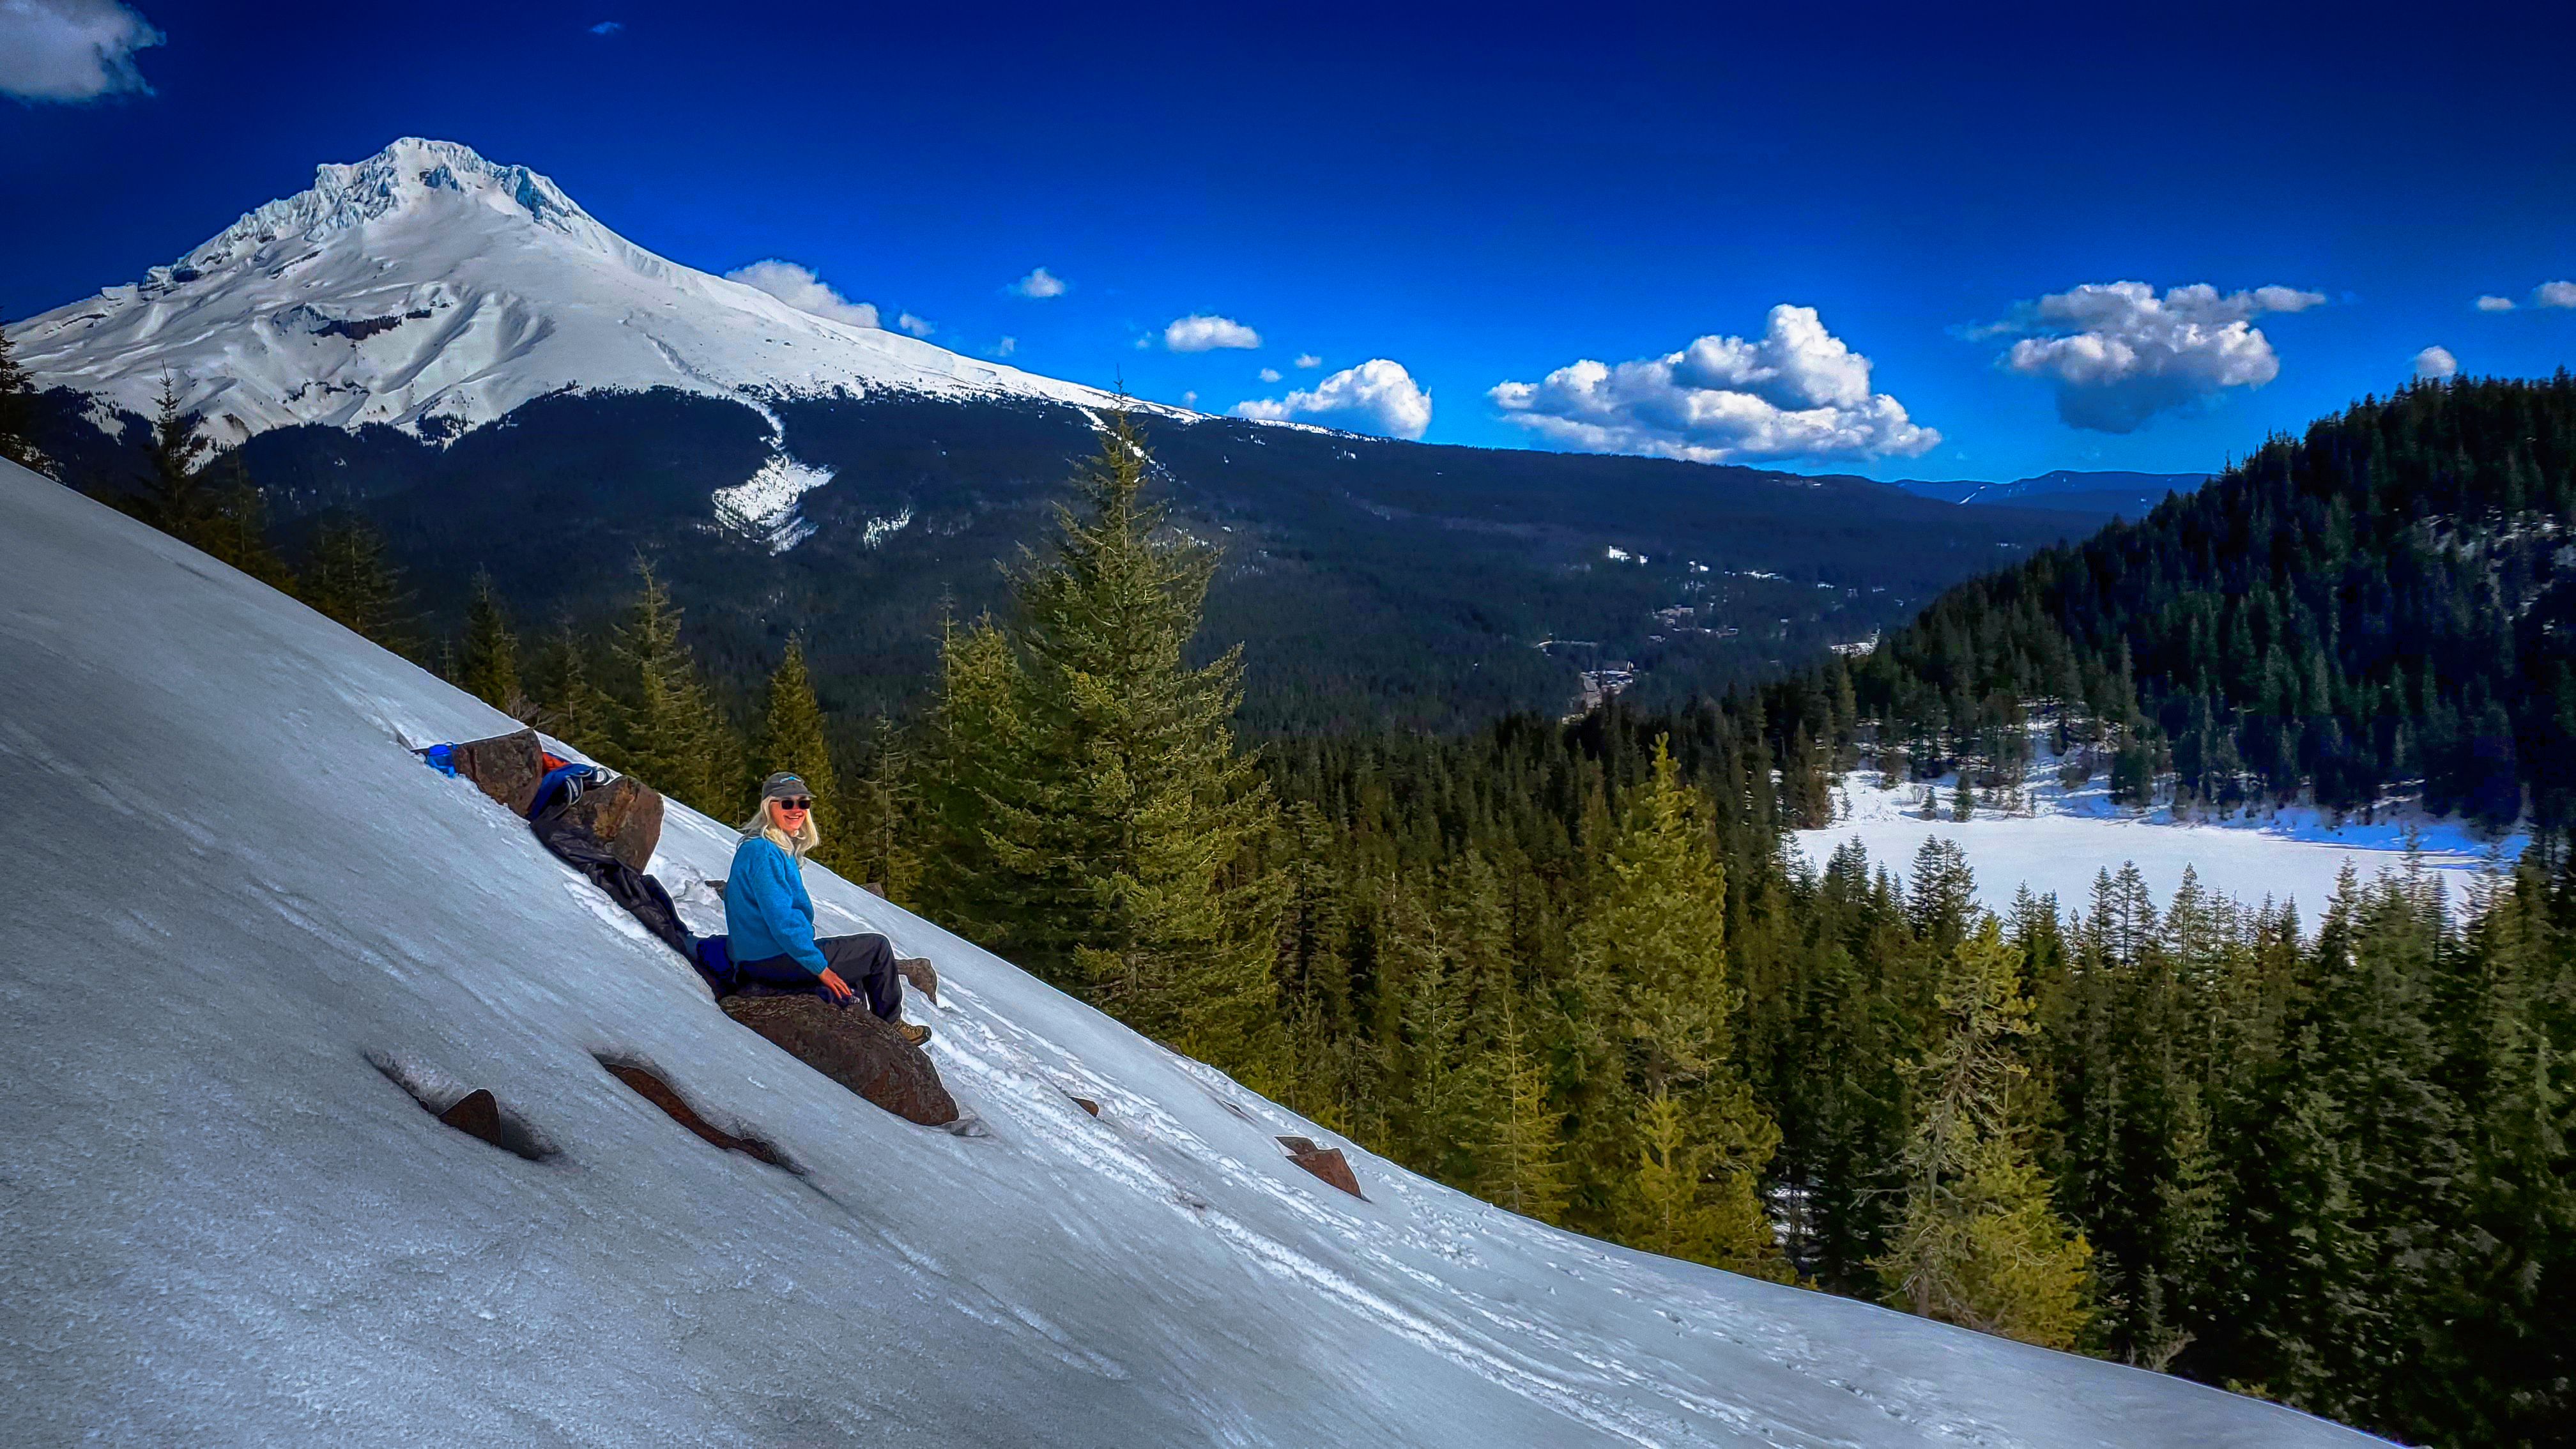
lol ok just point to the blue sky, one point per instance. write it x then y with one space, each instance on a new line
1482 197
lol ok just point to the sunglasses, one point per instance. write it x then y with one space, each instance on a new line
794 802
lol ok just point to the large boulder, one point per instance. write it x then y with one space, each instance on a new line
852 1047
622 815
505 767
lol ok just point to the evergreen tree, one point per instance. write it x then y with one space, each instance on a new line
1981 1245
234 528
18 413
792 738
173 500
348 576
670 731
1686 1145
1523 1166
885 812
570 705
1092 789
487 664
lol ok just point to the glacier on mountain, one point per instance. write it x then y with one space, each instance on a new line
240 915
431 290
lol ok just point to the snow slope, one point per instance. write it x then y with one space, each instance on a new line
2068 837
224 885
432 290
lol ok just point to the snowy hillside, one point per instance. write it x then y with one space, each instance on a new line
2061 839
229 887
432 290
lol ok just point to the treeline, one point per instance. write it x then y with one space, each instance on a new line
2330 1167
2383 601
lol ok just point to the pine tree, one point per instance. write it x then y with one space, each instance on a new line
234 528
1981 1246
174 500
1685 1140
1094 804
671 733
348 576
1523 1168
18 413
884 816
487 664
570 705
792 738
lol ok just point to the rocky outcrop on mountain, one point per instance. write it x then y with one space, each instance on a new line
852 1047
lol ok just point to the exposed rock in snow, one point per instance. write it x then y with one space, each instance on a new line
230 888
428 288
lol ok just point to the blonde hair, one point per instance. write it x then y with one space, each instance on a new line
797 846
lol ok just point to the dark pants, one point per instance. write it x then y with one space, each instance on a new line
865 962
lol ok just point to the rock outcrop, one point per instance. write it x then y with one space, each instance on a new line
1325 1162
850 1046
505 767
658 1092
623 815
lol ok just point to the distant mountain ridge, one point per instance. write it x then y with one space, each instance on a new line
2102 494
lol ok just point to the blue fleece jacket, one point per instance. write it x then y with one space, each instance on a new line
767 912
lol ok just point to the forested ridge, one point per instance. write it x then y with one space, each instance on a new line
2383 604
1571 967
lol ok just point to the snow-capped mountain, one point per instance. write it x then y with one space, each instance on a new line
236 905
432 290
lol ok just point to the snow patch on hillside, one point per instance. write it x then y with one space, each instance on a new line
763 507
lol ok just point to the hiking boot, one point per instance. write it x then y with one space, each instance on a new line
923 976
911 1033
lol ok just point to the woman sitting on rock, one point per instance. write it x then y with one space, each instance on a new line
769 919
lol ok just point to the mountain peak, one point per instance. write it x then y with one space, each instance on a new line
412 173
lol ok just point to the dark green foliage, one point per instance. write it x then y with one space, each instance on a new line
487 662
348 576
1374 581
18 414
1094 810
2378 602
668 729
793 738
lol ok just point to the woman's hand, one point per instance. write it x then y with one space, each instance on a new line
837 990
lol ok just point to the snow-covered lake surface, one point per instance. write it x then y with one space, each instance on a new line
225 885
2066 838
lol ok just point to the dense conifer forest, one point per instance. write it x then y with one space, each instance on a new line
1570 967
2384 603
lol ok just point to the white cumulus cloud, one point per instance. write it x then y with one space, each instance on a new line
1377 396
71 50
1200 333
917 326
2120 354
1270 374
2554 294
1039 283
1308 359
2434 363
798 287
2493 303
1797 391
